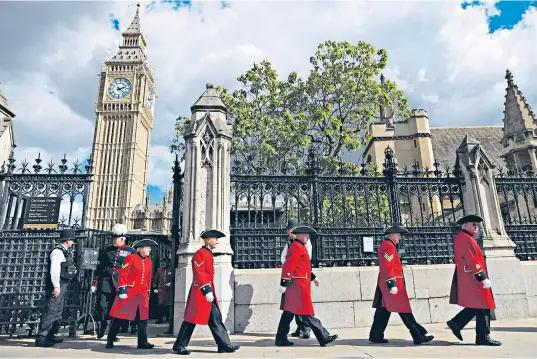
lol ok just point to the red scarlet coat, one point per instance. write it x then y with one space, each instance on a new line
390 267
466 290
135 279
163 277
297 269
198 309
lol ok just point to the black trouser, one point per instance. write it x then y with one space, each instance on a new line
116 324
482 321
52 312
380 322
301 325
216 326
104 304
311 321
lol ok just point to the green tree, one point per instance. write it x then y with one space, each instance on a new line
344 96
275 121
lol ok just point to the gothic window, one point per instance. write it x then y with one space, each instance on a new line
207 148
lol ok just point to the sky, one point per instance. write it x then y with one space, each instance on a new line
449 58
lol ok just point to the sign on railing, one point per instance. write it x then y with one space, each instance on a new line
90 258
42 213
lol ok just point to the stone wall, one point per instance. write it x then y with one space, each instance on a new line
529 270
345 296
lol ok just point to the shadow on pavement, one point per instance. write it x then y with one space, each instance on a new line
261 335
514 329
166 348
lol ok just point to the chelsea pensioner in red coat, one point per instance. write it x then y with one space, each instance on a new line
295 282
471 287
391 295
202 306
134 285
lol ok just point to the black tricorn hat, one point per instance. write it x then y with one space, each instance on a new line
292 223
396 229
471 218
304 230
67 235
146 242
212 233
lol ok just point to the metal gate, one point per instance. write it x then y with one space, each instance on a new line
23 252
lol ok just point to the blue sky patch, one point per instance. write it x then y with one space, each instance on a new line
178 4
465 4
114 21
225 4
155 194
511 13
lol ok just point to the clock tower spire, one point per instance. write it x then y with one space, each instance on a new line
124 121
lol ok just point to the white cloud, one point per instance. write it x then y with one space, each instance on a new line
160 166
431 98
66 208
422 75
441 55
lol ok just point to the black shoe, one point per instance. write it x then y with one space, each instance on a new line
305 335
378 341
329 340
286 343
160 321
109 344
489 342
116 340
455 329
295 334
181 351
100 333
44 343
228 348
423 339
145 345
56 339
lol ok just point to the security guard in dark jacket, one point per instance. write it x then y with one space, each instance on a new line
61 269
110 265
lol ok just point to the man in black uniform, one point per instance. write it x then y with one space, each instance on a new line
110 265
61 270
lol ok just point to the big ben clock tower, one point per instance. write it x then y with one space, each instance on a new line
124 120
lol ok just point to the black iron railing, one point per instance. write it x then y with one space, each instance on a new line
344 209
517 192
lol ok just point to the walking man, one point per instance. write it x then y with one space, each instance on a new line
296 284
391 295
110 266
134 286
202 305
471 287
61 270
162 283
302 329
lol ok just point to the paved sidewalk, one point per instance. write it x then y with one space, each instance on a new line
518 337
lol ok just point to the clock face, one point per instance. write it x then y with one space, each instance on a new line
149 98
119 88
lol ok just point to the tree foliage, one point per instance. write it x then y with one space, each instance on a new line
276 121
